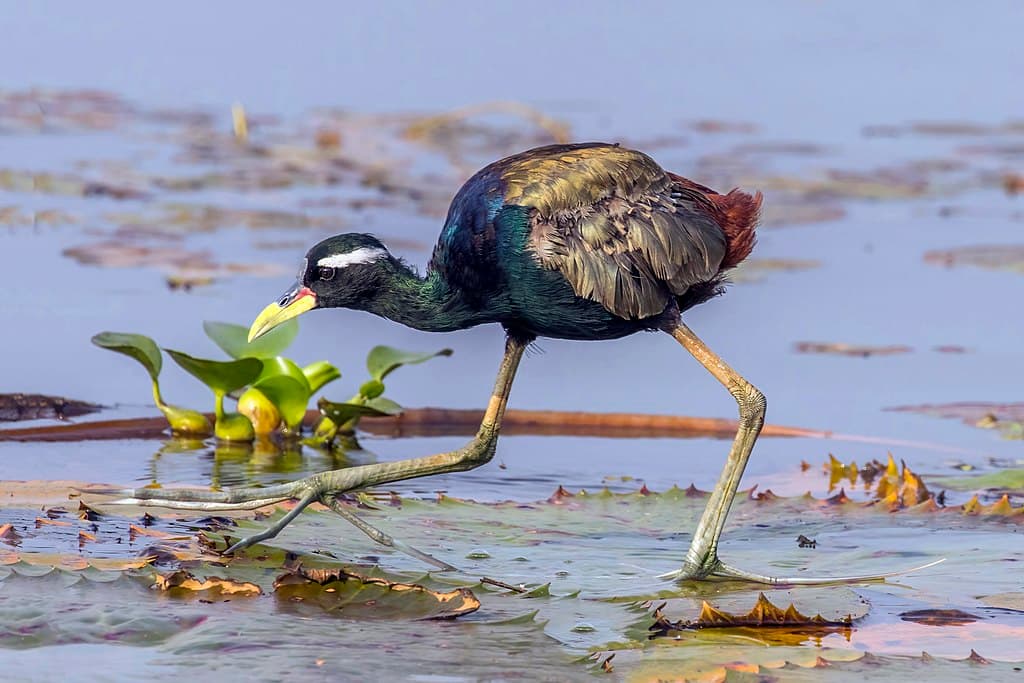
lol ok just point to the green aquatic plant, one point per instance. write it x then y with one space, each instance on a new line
342 418
184 422
273 392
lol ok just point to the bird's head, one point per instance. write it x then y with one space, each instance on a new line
343 271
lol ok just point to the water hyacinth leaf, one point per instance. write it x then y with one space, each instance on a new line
383 360
279 366
340 413
221 376
233 339
319 374
385 406
288 395
137 346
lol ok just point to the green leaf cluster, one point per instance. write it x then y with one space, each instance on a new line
272 391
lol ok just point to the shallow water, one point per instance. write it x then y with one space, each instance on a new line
804 73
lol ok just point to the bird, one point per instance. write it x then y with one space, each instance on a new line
588 241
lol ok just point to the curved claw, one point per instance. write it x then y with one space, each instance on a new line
724 572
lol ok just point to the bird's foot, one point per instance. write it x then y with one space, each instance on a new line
713 569
305 491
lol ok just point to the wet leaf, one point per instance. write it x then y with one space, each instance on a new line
939 617
181 583
137 346
233 339
764 614
15 407
353 595
1014 601
221 376
383 360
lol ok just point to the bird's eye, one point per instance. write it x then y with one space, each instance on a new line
326 273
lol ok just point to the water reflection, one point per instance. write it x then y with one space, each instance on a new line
265 461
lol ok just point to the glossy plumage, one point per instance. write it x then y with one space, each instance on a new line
585 241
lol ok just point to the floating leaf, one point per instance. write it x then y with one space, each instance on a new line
1001 480
1014 601
359 596
221 376
182 583
137 346
15 407
383 360
233 339
939 617
763 614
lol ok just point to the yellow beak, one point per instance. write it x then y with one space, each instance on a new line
296 301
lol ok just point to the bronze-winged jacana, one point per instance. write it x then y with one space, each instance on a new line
586 241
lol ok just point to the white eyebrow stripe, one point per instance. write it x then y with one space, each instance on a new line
361 255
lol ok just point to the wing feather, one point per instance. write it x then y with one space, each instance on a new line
620 229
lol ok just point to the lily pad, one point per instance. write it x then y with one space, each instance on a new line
346 593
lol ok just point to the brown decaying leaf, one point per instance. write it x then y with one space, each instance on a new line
900 488
451 604
14 407
763 614
181 582
73 562
990 256
939 617
136 531
9 534
861 351
43 521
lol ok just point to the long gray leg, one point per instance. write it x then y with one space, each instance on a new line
701 561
